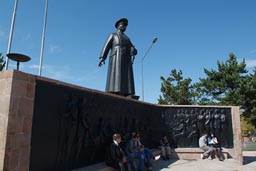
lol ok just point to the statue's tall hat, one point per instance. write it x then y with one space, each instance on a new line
123 20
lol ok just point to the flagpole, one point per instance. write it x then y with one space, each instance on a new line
11 33
43 38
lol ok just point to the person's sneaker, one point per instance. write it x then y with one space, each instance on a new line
148 165
149 168
221 159
163 158
204 156
210 158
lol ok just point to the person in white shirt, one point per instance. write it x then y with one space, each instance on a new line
203 145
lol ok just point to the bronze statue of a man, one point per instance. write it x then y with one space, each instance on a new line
120 78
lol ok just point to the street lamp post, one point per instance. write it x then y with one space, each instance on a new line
142 59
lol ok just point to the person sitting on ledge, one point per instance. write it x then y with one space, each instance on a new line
165 148
115 157
213 142
129 150
203 145
143 154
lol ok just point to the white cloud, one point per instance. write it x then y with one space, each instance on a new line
56 72
2 34
250 63
64 73
253 51
26 37
55 48
86 77
33 66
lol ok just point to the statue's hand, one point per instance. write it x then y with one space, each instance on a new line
133 51
102 61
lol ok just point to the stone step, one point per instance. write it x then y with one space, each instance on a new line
177 153
193 153
103 167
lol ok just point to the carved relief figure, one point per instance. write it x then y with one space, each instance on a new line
83 127
187 125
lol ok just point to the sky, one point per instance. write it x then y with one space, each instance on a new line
192 35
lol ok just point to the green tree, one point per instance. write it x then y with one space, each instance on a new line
176 90
249 105
247 126
227 85
2 63
230 85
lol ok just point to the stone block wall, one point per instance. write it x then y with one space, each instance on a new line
237 151
16 111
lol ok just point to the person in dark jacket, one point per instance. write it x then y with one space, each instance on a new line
214 143
120 79
165 148
115 157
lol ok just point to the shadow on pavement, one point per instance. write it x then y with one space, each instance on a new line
249 159
161 164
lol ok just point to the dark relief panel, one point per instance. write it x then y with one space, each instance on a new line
72 127
186 125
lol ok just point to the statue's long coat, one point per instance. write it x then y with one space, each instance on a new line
120 78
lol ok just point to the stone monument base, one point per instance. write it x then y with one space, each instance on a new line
39 115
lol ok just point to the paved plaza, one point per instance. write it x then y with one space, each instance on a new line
208 165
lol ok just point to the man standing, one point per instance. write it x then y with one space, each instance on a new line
120 78
203 145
